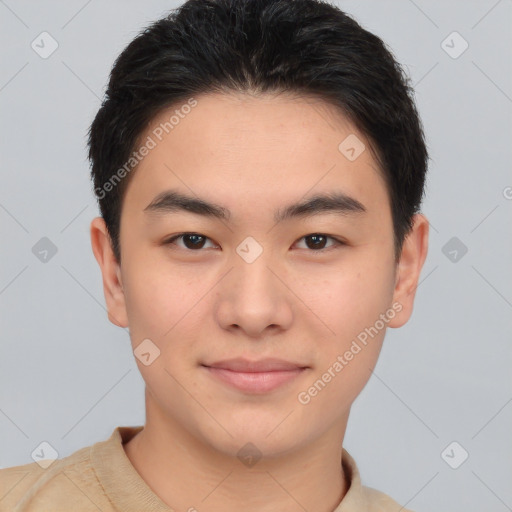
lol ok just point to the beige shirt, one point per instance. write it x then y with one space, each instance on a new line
100 477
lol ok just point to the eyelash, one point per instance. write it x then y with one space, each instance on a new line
338 243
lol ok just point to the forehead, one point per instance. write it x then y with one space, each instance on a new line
264 148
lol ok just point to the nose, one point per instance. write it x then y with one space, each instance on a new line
254 299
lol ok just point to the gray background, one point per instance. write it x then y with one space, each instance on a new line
68 376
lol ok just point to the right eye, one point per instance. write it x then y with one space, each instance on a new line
191 241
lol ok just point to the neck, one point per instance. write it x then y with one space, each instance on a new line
188 474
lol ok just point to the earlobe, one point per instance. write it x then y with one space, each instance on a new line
414 253
111 272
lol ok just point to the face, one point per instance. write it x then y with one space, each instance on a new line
251 276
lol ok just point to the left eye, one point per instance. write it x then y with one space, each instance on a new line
195 241
318 241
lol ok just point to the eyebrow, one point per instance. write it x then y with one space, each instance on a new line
172 201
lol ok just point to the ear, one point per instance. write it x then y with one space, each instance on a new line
414 253
111 272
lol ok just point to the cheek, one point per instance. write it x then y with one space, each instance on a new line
350 306
157 304
168 305
155 299
350 298
350 303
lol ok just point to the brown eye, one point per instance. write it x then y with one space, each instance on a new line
317 242
192 241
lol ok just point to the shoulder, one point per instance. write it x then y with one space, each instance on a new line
380 502
65 484
362 497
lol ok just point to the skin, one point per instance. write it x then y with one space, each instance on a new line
253 155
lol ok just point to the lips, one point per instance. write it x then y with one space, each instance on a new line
257 377
262 365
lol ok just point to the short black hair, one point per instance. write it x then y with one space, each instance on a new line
308 47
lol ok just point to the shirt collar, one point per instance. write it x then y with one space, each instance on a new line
130 493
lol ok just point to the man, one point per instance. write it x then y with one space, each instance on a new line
259 167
